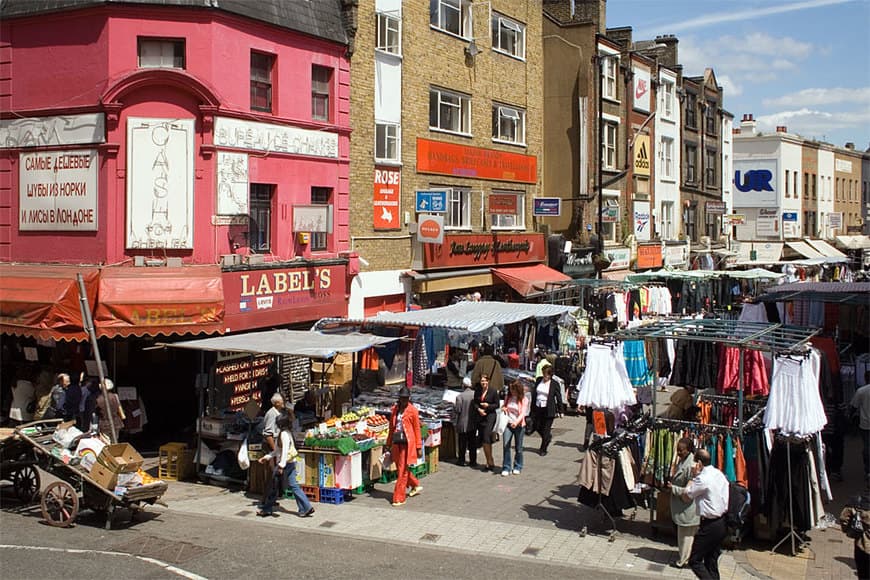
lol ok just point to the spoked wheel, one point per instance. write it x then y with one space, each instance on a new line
60 504
26 483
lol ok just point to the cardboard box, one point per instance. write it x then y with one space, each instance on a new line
120 458
214 427
103 476
327 471
312 469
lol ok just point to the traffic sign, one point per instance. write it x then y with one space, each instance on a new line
547 206
432 201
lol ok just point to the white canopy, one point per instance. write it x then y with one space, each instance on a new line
288 342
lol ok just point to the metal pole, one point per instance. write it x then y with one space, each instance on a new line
740 387
88 323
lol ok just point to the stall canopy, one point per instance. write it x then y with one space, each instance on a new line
531 280
853 242
160 301
43 301
288 342
469 316
702 274
826 249
804 249
839 292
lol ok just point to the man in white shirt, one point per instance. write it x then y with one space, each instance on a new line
861 403
709 490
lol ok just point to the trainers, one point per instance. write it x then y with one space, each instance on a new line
398 503
505 473
415 491
307 514
516 472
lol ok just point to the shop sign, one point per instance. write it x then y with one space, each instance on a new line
767 223
642 220
620 258
312 218
843 165
502 204
675 255
463 250
430 230
432 201
57 191
578 263
735 219
835 219
387 193
475 162
547 207
649 257
236 380
610 214
232 183
755 183
160 174
767 252
715 207
642 90
268 137
53 131
641 155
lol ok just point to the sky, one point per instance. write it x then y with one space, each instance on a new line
804 64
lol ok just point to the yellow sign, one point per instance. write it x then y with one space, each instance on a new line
642 155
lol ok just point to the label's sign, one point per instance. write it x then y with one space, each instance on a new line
253 136
547 207
431 201
649 256
620 258
57 190
232 183
462 250
236 380
160 183
642 220
502 204
430 230
642 86
385 201
756 183
83 129
475 162
715 207
641 155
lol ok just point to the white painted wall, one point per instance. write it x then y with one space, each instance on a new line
369 284
667 190
825 191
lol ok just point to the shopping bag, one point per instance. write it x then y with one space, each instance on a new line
501 422
244 460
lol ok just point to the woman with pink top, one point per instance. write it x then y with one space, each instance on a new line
516 407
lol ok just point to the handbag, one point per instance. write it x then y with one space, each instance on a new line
501 422
399 438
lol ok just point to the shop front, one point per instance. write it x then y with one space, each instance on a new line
620 259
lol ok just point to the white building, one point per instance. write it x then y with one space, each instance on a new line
668 147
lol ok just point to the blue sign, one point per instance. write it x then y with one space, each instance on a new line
789 216
432 201
547 206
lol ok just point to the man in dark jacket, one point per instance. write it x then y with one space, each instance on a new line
465 424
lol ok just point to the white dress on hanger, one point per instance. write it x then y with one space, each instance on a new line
794 405
605 383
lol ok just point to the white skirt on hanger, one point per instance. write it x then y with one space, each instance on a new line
605 383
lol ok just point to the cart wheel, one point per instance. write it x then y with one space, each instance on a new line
60 504
26 483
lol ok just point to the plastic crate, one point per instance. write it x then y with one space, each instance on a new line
175 462
388 476
364 488
432 459
333 495
420 470
288 494
312 492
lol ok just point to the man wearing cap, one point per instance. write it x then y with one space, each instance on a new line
405 445
465 427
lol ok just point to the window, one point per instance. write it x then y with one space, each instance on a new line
260 219
389 34
667 224
387 141
787 183
814 182
710 118
156 53
667 153
508 124
608 146
608 228
710 168
261 81
796 192
667 93
691 105
689 222
508 36
515 221
449 111
691 163
320 240
453 16
321 78
608 71
458 214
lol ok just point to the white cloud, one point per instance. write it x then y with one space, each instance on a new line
814 123
812 97
731 88
736 56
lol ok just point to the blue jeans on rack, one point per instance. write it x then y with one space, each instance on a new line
516 434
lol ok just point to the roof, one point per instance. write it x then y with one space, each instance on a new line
288 342
840 292
319 18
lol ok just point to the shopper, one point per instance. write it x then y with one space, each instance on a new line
455 368
283 472
486 405
683 511
268 385
57 406
547 400
515 407
270 427
488 365
855 522
465 421
682 404
405 445
111 407
861 405
709 490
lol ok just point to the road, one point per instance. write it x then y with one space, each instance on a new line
173 545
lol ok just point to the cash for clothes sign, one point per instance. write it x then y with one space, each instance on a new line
57 191
386 199
160 174
236 380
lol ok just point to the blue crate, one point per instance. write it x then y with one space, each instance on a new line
333 495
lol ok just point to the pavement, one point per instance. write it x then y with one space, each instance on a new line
535 515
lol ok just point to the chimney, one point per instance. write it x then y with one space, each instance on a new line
781 129
747 124
850 145
735 131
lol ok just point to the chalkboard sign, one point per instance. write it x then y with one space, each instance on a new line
235 380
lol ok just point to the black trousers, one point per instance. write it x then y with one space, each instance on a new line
467 442
862 563
833 452
544 426
704 559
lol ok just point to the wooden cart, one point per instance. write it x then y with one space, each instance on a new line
62 499
18 465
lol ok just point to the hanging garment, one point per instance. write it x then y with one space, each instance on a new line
605 383
781 480
753 313
635 362
740 475
728 465
755 381
794 405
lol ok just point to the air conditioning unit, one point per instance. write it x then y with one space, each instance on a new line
228 260
173 262
139 261
255 259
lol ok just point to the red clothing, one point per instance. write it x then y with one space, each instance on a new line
411 427
513 360
405 477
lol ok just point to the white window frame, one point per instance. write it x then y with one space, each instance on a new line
458 202
383 141
667 149
502 24
507 114
608 146
388 33
667 220
440 10
667 92
609 66
461 103
166 48
608 231
515 221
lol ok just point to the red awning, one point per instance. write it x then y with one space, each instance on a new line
43 301
530 280
160 301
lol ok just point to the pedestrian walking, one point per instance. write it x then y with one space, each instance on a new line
547 401
283 472
270 426
486 403
683 511
861 405
111 407
405 445
465 420
710 491
57 405
855 522
515 407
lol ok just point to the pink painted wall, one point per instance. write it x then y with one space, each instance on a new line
63 64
